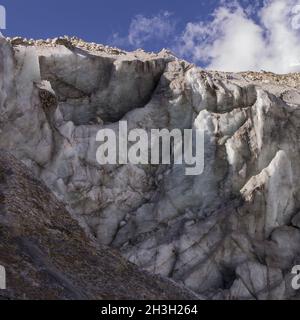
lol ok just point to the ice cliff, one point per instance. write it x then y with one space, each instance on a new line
229 233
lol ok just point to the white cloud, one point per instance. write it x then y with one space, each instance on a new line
143 29
234 41
239 36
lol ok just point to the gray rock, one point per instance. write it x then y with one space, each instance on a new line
48 256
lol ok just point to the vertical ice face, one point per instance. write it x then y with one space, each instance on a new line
55 97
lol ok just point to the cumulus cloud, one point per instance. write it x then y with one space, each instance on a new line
261 36
143 29
235 41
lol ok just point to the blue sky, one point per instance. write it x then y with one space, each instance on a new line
230 35
97 20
